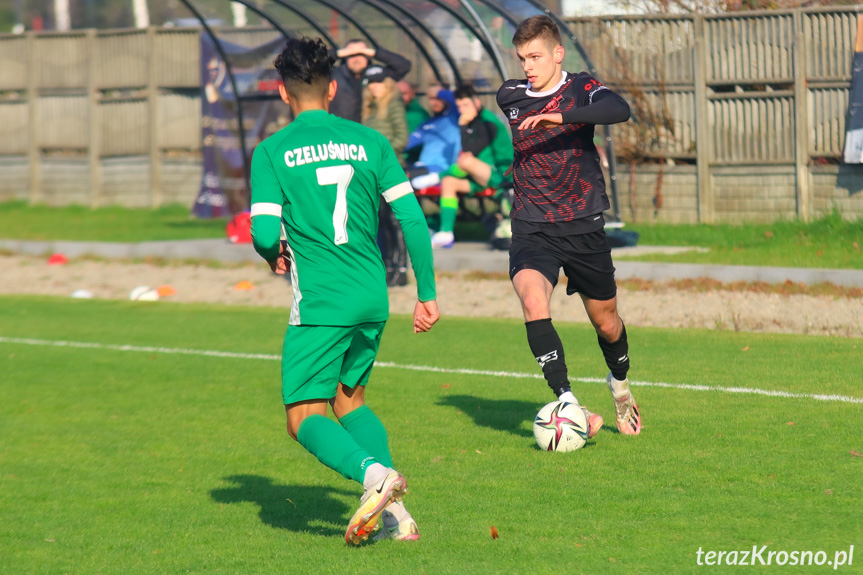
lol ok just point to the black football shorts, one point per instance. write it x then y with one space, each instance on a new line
585 259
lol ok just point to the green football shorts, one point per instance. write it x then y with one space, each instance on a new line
315 358
495 180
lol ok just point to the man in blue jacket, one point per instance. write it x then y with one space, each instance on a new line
437 141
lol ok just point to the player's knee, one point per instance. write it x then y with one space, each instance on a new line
608 328
535 307
292 431
448 187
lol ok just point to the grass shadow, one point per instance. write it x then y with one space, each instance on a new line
499 414
291 507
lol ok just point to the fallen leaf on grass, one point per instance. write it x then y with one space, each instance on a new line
856 453
790 423
478 451
744 348
494 534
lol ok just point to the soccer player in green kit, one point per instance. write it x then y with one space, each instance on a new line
316 185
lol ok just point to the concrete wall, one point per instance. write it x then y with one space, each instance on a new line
741 193
125 181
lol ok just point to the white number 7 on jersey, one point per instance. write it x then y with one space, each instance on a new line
340 176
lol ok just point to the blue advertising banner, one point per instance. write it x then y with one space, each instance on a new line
223 191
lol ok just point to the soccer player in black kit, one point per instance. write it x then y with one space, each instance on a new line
557 219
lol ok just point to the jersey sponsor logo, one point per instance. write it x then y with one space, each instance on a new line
544 359
513 113
322 152
553 104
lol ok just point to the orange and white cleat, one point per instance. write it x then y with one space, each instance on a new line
373 502
594 422
392 528
626 410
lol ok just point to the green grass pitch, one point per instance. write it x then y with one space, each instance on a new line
136 460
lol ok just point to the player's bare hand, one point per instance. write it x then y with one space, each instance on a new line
541 121
282 264
426 315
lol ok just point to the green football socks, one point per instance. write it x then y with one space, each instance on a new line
334 447
369 433
448 211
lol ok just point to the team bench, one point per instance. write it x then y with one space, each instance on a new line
490 207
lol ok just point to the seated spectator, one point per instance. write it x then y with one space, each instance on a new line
436 143
414 111
486 155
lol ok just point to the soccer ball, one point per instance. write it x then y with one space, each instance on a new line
560 426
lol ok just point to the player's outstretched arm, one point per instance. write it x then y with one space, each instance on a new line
607 108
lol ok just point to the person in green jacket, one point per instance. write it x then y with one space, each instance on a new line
486 156
414 111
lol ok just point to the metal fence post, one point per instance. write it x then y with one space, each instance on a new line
94 141
801 119
33 148
156 190
704 186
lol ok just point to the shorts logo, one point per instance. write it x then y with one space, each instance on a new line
544 359
513 113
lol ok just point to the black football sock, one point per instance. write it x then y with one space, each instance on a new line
616 354
548 351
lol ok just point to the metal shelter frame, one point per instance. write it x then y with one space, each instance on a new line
430 26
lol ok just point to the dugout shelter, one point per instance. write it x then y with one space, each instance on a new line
448 41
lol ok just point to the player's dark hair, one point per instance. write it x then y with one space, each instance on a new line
539 26
465 91
305 66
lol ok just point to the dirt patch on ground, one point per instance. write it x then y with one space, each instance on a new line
458 295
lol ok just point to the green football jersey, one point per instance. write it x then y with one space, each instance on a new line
325 176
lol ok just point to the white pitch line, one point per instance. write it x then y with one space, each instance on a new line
431 369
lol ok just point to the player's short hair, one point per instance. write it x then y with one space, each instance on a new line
465 91
540 26
305 66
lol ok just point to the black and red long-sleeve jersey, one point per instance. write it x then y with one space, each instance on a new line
557 173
